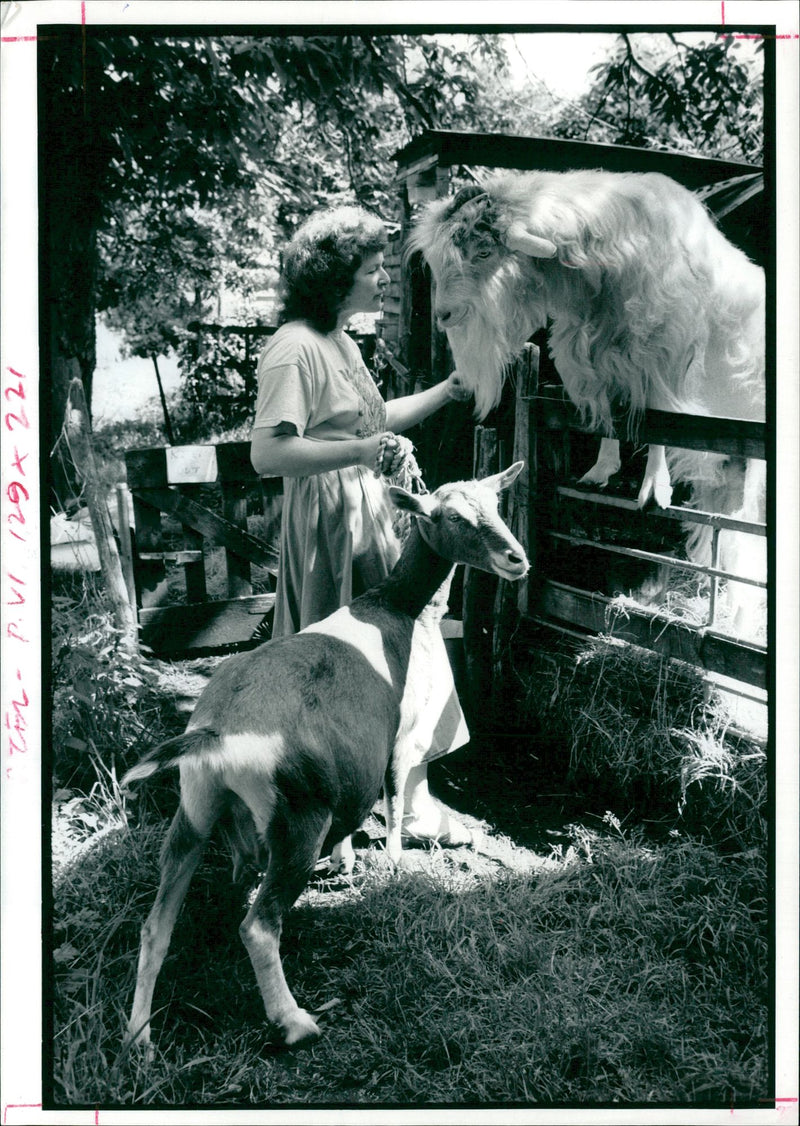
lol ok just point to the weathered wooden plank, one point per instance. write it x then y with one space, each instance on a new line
656 557
448 147
150 573
180 557
233 463
674 512
217 531
478 600
205 626
526 374
194 573
650 630
126 542
146 468
234 507
734 436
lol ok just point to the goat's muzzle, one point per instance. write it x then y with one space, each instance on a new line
510 564
449 316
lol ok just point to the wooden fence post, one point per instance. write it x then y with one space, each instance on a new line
80 440
512 598
478 602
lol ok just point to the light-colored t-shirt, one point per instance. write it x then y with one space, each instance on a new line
319 384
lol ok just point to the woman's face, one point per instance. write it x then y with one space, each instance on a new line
368 285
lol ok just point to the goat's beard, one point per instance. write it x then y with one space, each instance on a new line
491 337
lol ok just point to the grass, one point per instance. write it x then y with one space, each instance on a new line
616 972
578 957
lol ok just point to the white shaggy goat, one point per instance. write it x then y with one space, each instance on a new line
294 740
647 303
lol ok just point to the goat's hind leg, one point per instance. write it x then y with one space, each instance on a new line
294 846
181 853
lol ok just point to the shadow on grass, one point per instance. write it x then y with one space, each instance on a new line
623 975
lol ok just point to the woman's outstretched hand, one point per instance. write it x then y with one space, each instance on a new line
456 389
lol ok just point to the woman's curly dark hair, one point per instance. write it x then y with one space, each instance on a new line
321 261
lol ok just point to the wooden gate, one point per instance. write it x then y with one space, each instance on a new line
204 548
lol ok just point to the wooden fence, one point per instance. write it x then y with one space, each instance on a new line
193 507
203 508
545 426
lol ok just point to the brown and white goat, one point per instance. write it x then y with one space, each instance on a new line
648 306
295 739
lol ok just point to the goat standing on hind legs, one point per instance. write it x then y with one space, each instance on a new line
648 306
296 738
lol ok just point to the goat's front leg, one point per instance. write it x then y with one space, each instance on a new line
181 853
343 858
656 482
294 847
607 464
394 800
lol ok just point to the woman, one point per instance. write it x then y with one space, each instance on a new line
322 425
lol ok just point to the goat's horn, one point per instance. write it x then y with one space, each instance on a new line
517 238
462 196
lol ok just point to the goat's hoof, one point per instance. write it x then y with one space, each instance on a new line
342 867
300 1030
140 1046
342 859
402 862
596 478
449 833
660 492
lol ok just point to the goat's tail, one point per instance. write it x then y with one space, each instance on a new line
170 753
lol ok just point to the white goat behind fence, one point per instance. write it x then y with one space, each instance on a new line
294 740
648 306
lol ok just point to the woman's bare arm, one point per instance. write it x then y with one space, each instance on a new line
401 414
278 451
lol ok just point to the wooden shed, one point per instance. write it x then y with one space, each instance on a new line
535 421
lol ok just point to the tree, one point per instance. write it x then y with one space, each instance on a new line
121 120
143 137
666 90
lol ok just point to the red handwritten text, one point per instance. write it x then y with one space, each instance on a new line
17 514
16 492
15 721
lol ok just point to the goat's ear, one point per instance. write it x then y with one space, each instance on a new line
534 246
502 480
417 505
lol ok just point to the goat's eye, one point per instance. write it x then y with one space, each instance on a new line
453 517
480 255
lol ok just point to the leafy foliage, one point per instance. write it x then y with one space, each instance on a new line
107 706
217 385
196 156
243 137
663 91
